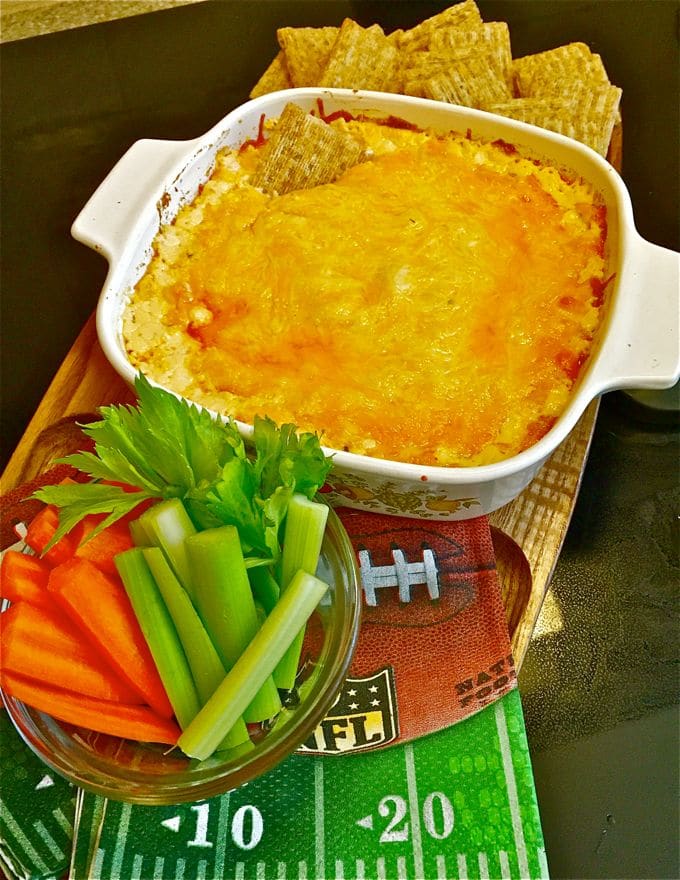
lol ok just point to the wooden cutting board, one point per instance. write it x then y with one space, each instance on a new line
528 533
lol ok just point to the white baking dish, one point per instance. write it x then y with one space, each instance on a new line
637 347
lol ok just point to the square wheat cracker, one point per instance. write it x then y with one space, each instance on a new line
303 152
449 45
587 114
492 37
474 81
465 14
361 58
274 78
307 50
547 72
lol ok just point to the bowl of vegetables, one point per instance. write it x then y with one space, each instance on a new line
184 611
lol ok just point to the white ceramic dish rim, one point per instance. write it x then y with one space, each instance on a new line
638 349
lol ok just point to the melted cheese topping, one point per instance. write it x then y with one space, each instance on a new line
433 305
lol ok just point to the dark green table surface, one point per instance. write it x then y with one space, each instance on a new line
600 680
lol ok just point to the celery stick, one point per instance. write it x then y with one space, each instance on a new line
286 672
140 534
302 536
168 524
302 539
160 634
253 667
206 667
264 585
225 602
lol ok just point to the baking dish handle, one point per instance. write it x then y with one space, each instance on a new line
122 198
643 343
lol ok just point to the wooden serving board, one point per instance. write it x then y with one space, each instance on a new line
528 533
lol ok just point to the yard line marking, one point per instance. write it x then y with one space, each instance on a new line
45 782
158 868
63 821
302 870
505 865
238 871
511 785
543 863
98 861
220 849
121 840
49 841
402 872
380 868
339 870
483 863
180 865
416 839
96 820
281 868
320 853
137 863
21 838
441 868
200 869
462 867
360 869
260 870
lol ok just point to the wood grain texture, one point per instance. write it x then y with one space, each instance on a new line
528 533
84 381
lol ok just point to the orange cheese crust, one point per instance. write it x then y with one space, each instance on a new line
433 305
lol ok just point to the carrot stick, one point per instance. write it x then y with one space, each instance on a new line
41 643
39 534
99 605
119 719
24 577
102 548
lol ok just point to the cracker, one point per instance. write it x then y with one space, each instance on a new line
419 66
450 45
492 38
547 81
474 81
306 50
465 14
588 114
546 73
361 58
303 152
274 78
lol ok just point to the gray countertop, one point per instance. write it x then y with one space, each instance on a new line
22 19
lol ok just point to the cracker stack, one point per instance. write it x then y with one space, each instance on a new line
457 58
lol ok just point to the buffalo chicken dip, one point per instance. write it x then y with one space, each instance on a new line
434 303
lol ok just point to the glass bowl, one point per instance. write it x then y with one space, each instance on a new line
156 774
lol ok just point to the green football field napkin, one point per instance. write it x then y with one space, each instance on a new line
36 812
459 803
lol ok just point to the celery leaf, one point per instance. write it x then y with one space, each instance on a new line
166 447
77 500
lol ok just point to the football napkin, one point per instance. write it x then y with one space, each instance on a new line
446 799
455 804
434 645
